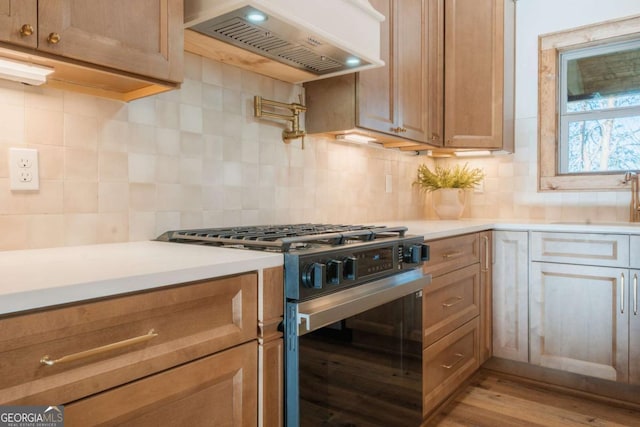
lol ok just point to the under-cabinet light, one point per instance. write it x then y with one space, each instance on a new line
472 153
358 139
23 72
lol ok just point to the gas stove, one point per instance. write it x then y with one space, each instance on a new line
320 258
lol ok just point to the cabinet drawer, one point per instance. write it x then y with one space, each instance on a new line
219 390
611 250
450 301
448 363
452 253
191 321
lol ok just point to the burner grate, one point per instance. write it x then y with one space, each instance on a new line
284 237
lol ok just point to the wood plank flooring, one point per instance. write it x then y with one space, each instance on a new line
493 400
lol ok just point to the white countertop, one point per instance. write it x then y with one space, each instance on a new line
31 279
37 278
439 228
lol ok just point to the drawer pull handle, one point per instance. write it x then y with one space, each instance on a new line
459 358
485 239
622 293
451 302
635 294
451 255
46 360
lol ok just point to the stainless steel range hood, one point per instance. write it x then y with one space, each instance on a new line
319 38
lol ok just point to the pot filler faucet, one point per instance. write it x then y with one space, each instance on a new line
634 209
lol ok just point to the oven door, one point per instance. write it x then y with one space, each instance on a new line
355 357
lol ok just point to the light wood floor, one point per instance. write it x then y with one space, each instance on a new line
493 400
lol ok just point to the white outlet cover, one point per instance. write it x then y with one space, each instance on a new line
23 169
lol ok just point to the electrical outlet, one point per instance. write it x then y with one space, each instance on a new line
23 169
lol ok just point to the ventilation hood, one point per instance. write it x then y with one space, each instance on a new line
304 39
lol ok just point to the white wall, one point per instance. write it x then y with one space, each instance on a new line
511 185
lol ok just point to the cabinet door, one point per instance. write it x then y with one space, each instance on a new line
376 91
142 37
394 99
579 319
412 31
486 243
13 15
473 90
219 390
634 328
510 295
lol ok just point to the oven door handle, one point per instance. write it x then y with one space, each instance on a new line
319 312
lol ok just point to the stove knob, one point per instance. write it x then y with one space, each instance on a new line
350 268
417 253
334 272
314 275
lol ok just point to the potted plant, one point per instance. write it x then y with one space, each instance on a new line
448 185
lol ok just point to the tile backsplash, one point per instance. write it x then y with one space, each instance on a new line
195 157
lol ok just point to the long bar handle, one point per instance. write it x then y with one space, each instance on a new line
621 293
451 255
451 302
635 294
46 360
486 254
459 358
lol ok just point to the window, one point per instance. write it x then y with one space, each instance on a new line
589 106
599 108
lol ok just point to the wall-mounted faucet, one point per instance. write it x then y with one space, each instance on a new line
294 118
634 209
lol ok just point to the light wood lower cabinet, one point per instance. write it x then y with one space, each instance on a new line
203 353
634 328
454 314
577 321
486 295
510 295
219 390
584 304
448 363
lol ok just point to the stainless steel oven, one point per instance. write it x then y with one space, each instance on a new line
352 325
354 357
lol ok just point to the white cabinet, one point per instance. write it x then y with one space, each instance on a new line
510 295
577 324
583 304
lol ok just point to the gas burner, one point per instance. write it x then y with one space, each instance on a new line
283 238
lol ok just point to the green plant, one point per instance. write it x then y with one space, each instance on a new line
441 177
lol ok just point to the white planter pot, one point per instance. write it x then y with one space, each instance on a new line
448 202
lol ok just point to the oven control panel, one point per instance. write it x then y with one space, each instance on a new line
327 271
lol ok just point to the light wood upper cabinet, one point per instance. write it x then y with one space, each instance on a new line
474 78
116 49
395 99
391 103
376 91
447 82
138 37
14 14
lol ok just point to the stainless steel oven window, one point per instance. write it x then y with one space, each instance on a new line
354 357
